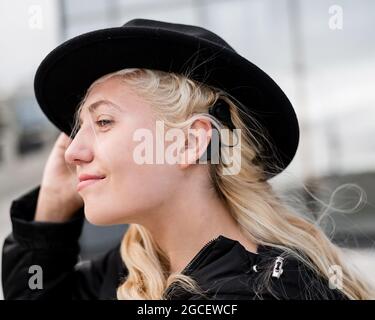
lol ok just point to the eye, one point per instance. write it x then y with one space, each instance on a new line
104 122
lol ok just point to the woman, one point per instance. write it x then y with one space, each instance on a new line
197 229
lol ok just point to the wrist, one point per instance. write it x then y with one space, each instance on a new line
51 208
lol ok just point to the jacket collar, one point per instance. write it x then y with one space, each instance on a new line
219 248
224 265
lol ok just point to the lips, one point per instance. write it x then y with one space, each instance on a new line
88 179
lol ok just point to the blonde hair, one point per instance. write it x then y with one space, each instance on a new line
262 215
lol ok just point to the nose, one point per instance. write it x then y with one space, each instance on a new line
79 150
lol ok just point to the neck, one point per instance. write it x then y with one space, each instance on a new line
188 223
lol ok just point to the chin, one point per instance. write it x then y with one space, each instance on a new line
98 218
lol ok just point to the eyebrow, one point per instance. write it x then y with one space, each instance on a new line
95 105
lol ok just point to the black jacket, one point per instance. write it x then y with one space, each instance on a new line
223 268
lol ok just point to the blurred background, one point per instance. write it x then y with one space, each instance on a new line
321 53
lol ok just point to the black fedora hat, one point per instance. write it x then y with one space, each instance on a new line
67 72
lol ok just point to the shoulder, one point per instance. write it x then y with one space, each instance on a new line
281 275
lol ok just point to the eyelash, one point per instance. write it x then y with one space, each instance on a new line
104 120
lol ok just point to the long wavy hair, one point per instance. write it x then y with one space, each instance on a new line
264 216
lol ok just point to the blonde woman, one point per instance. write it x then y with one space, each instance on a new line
166 128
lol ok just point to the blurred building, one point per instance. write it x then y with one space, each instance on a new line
326 68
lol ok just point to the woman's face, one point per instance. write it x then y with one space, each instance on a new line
104 146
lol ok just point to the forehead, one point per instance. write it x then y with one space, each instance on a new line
103 95
115 95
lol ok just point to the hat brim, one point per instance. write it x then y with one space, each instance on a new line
64 76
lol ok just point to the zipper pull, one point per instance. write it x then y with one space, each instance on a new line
278 267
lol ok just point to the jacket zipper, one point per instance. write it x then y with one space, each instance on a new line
199 254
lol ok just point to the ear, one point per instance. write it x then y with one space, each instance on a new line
198 138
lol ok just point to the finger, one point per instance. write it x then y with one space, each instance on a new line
63 141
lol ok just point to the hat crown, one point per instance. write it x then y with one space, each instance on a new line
193 31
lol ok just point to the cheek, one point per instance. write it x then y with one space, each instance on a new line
131 189
133 180
147 184
132 193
